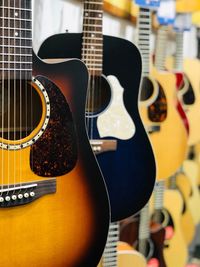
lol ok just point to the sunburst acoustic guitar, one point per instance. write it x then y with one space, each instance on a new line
112 109
49 178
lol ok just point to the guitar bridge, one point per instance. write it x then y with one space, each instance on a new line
100 146
24 193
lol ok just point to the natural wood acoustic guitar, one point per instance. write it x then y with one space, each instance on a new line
158 109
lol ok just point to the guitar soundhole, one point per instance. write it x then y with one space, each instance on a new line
188 97
147 89
20 109
157 112
99 95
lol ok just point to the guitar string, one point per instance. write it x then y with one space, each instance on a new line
92 49
14 99
20 98
2 97
85 58
8 97
30 8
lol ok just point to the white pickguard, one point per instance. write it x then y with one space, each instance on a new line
115 120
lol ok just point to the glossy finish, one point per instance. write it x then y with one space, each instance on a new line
68 227
129 172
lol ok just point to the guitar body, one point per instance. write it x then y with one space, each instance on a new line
120 8
187 221
190 96
66 221
176 245
129 171
164 114
129 234
127 257
191 169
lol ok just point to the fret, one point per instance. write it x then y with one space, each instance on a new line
91 25
91 10
94 69
93 44
93 32
16 8
93 3
16 38
92 55
92 38
15 19
93 59
93 18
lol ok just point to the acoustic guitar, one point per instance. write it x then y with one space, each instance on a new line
191 169
158 105
120 254
189 93
148 239
112 109
169 215
49 179
182 183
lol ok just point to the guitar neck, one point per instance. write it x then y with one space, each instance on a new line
144 32
92 44
16 39
178 63
159 195
144 229
110 252
161 47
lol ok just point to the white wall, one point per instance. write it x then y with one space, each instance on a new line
57 16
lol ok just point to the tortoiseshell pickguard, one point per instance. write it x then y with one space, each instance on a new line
157 112
189 97
55 153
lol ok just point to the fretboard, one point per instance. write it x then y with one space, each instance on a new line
178 63
161 45
110 252
159 190
144 231
92 44
16 39
144 33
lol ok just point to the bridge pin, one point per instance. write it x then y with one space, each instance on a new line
7 198
14 197
32 194
20 196
26 195
1 199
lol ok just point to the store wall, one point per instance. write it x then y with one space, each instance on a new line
57 16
